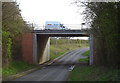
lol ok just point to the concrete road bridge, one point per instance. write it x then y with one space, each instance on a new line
36 44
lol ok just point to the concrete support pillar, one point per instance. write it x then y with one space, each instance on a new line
43 48
91 50
35 61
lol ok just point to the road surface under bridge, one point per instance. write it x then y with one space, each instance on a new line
40 41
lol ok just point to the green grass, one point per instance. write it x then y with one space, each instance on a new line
83 60
0 71
53 56
93 73
87 53
60 46
16 67
60 49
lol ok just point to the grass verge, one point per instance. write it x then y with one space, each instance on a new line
93 73
53 56
84 60
87 53
16 67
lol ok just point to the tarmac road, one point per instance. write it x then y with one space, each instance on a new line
58 71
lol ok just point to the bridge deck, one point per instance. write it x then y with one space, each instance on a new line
61 33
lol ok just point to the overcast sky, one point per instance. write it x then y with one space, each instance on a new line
39 11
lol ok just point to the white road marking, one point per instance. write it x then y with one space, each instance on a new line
71 68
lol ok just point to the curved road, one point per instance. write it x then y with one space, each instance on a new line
58 71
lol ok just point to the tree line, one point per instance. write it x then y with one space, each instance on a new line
103 19
67 41
13 26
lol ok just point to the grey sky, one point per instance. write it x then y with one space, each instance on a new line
39 11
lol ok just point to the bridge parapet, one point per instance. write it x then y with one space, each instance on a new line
58 31
62 33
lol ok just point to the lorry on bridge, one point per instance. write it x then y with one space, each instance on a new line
54 25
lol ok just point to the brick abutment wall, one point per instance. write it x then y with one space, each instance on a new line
27 47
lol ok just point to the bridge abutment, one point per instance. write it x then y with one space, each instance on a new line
27 47
35 48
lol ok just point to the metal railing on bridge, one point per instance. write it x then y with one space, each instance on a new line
69 26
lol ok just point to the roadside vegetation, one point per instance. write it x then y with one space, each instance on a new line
13 26
62 45
93 73
87 54
103 19
84 59
16 67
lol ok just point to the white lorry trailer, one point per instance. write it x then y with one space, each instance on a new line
54 25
